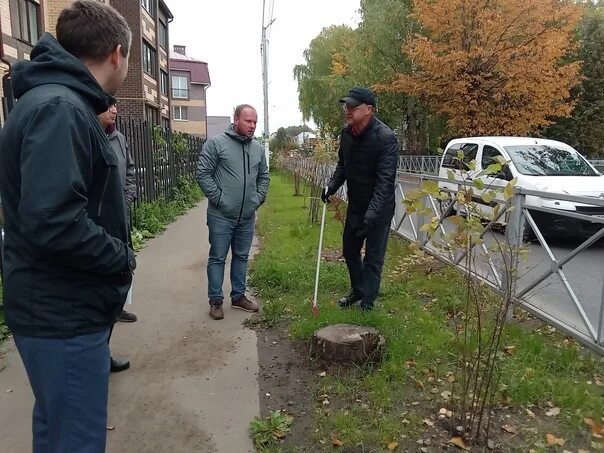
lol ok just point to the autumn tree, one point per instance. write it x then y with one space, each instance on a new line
493 66
377 60
584 129
323 79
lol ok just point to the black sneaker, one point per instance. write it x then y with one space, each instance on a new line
349 300
118 365
124 316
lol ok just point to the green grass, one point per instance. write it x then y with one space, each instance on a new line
412 314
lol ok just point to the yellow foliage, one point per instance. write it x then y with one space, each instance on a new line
493 66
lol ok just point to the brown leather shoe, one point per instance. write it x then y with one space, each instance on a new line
216 311
243 303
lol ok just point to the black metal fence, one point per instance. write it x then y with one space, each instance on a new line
160 155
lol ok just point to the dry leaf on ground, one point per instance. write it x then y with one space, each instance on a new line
392 446
553 440
510 429
336 442
553 412
459 443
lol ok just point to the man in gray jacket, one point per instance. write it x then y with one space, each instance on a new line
233 174
125 166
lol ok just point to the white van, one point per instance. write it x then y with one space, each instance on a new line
539 164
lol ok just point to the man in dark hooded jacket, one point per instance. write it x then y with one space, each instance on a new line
68 268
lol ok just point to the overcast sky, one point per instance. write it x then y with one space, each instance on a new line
226 34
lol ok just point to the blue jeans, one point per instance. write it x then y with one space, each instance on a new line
70 381
228 234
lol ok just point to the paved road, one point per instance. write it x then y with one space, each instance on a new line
193 382
585 274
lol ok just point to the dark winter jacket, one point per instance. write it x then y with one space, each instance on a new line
67 265
368 164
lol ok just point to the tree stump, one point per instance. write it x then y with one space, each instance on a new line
348 343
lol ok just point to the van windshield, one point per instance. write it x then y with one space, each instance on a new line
547 160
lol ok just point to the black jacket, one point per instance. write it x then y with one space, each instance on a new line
368 164
67 268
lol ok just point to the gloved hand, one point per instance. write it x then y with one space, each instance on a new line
326 193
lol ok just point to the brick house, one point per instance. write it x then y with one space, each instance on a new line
190 79
21 24
145 92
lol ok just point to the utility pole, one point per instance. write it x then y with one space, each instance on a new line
264 55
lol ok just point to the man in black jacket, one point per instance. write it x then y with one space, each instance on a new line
367 162
68 268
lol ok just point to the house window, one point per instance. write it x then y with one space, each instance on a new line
25 23
149 59
151 115
163 82
149 5
180 87
181 113
163 35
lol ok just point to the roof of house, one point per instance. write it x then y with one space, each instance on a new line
163 5
198 69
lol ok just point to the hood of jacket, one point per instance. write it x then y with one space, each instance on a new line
230 132
51 64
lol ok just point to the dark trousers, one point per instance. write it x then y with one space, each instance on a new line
365 274
70 382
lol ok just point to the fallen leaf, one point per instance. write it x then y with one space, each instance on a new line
509 350
588 421
428 422
322 374
336 442
9 391
580 450
459 443
110 428
392 446
446 394
510 429
490 444
553 440
597 431
553 412
410 363
530 413
451 379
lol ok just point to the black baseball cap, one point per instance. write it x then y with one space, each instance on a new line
358 96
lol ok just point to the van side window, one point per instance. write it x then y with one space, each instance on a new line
489 156
450 160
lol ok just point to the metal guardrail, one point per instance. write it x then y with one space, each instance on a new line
419 164
572 311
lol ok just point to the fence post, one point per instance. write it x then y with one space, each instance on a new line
514 233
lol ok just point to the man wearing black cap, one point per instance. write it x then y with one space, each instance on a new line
367 162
